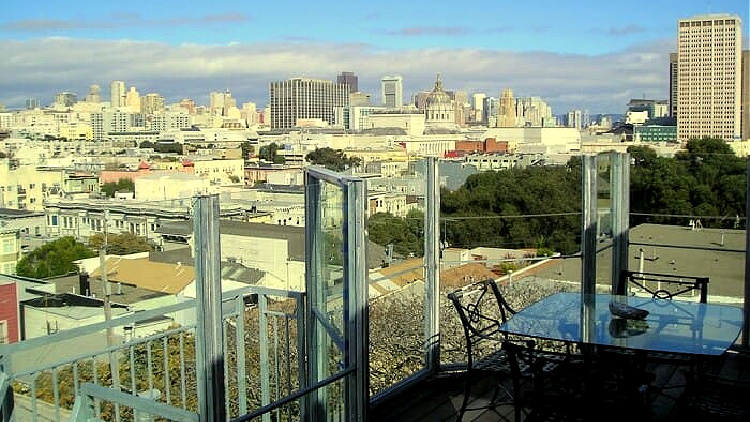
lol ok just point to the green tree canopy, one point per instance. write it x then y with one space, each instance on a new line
406 234
268 153
121 244
332 159
53 259
122 185
708 179
247 149
494 208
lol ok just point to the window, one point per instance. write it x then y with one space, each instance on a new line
9 245
3 332
53 220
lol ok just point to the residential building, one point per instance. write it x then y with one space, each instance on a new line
9 332
84 217
117 94
301 98
708 77
27 223
10 250
392 91
165 185
350 79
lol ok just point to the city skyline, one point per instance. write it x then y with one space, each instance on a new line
595 57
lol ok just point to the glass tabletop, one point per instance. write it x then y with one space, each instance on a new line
671 325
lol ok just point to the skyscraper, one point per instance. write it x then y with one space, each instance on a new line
350 79
301 98
672 84
117 94
94 95
506 113
708 77
392 91
65 99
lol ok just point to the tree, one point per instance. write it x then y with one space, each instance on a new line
53 259
268 153
122 185
121 244
247 149
406 234
332 159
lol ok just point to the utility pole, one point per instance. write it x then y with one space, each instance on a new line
114 368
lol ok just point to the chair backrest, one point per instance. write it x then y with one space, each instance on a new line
664 286
481 308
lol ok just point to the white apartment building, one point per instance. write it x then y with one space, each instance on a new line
301 98
709 51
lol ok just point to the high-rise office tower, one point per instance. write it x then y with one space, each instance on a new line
301 98
708 77
32 103
94 95
133 100
392 91
575 119
672 84
506 112
350 79
65 99
117 94
152 103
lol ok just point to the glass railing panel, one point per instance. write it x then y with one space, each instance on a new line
396 235
527 241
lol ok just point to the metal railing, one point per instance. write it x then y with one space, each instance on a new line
264 345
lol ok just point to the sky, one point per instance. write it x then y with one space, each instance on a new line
588 55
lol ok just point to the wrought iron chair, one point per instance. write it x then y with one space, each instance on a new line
482 308
719 394
543 389
666 287
663 286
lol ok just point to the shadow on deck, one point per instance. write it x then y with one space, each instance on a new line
439 397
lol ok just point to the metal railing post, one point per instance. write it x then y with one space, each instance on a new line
209 323
620 189
432 273
589 225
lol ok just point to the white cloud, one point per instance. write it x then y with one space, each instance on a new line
41 67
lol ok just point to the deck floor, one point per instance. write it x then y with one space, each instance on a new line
439 397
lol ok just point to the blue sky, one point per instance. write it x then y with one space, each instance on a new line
592 55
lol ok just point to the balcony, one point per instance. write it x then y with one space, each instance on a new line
286 355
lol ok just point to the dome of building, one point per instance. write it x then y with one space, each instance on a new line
438 96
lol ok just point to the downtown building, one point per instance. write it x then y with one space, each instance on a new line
301 98
709 80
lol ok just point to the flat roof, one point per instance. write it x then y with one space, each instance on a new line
718 254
